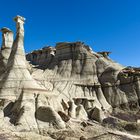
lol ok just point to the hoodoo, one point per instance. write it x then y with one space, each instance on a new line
16 78
7 42
56 87
18 86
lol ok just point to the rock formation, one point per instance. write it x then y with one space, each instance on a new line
60 84
7 41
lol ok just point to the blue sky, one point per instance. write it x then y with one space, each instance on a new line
105 25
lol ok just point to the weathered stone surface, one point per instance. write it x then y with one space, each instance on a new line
49 115
98 114
81 113
61 84
18 89
7 42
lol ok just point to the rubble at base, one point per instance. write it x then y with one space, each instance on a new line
59 88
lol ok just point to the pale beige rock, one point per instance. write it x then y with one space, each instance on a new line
49 115
72 109
17 76
7 42
59 85
81 113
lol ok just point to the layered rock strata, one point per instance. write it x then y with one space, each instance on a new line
20 93
76 71
66 82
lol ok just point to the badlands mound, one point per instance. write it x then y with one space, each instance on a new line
65 92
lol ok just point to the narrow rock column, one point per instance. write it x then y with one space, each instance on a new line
7 38
72 109
102 98
16 76
137 86
20 25
7 42
17 57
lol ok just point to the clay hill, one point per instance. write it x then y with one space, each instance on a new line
65 92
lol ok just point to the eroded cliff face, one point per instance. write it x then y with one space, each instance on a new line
74 71
51 87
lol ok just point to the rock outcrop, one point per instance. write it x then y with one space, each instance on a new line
19 91
63 83
77 72
7 41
